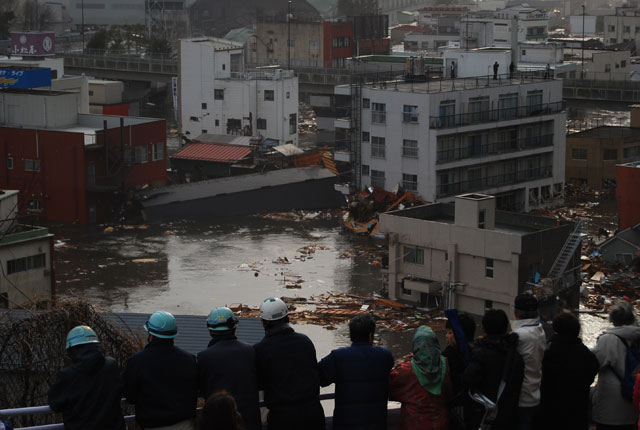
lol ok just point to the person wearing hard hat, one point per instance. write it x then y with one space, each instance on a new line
229 364
88 392
287 372
160 380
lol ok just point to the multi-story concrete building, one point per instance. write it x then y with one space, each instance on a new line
440 138
26 256
622 27
217 95
474 256
486 28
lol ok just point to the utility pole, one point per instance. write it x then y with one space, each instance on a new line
289 36
82 7
582 72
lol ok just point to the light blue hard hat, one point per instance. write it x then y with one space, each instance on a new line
221 319
81 335
162 324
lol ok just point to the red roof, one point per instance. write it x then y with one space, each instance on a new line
214 152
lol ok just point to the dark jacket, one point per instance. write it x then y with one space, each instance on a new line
228 364
568 369
361 374
288 374
161 381
457 364
484 373
88 392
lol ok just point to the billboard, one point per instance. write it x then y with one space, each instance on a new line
25 78
33 44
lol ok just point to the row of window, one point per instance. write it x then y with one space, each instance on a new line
218 94
415 255
341 42
607 154
625 29
25 264
409 181
378 146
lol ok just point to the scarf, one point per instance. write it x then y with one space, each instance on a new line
428 364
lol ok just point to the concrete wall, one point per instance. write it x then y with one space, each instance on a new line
477 63
270 44
41 110
8 209
77 84
615 29
105 92
548 53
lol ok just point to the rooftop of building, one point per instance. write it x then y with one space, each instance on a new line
505 222
213 152
7 193
633 164
217 43
23 233
444 8
400 59
607 132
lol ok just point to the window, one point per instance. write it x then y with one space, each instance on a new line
413 255
534 101
262 124
313 44
365 103
365 136
410 113
141 155
157 150
292 43
488 270
633 151
623 63
288 95
579 153
447 112
34 205
379 113
217 123
410 148
293 123
26 263
613 40
9 163
478 109
607 67
626 29
234 126
268 95
194 118
524 52
405 291
205 131
365 170
508 105
410 182
204 106
377 178
611 28
481 216
377 147
610 155
31 165
218 94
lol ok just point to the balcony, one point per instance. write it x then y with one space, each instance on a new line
474 151
378 117
444 190
504 114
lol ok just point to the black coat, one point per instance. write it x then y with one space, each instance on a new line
228 364
568 369
88 392
161 381
288 374
484 373
361 374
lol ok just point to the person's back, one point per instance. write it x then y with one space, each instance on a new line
161 381
287 372
229 364
88 392
494 358
220 413
361 374
568 369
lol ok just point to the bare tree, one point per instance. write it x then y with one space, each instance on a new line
7 17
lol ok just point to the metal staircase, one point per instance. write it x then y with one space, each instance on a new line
563 259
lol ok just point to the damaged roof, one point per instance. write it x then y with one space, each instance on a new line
631 236
213 152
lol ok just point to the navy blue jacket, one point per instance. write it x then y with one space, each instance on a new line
88 392
228 364
288 374
361 374
161 381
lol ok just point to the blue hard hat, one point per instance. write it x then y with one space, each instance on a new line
221 319
162 324
81 335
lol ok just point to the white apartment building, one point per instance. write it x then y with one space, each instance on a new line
494 28
446 137
471 255
217 95
622 27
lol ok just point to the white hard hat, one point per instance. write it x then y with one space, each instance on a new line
273 309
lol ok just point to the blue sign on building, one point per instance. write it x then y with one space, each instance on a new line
25 78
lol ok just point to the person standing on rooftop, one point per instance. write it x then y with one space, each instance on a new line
88 392
230 365
287 372
361 374
160 380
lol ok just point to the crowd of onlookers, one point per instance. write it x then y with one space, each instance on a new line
511 377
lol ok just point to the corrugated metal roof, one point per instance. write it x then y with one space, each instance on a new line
223 138
193 335
288 149
213 152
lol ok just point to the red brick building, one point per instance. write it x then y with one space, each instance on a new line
72 167
337 43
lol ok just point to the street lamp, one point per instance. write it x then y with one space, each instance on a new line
82 7
289 36
582 73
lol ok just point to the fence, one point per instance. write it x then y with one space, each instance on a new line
501 114
494 181
481 150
